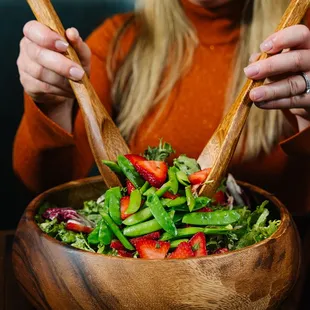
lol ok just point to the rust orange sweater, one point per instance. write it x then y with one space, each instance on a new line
46 155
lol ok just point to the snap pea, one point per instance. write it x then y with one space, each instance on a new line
134 202
160 214
165 188
100 235
112 202
113 166
175 243
216 218
173 182
145 186
140 216
217 230
143 228
182 178
117 232
174 202
189 198
201 202
182 232
150 191
130 172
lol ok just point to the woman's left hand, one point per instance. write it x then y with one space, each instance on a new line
286 88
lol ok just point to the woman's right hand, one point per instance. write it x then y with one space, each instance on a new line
44 70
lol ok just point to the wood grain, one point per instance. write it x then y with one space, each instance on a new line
104 137
57 276
219 151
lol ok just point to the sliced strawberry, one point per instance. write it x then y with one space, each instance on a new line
117 245
205 209
152 249
221 251
124 253
78 227
169 195
220 197
199 177
124 206
199 244
184 250
133 158
155 172
152 236
130 187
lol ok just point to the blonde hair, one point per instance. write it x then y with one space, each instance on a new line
163 52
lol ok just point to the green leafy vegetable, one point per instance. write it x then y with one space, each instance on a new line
186 164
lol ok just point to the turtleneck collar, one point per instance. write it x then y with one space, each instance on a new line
223 23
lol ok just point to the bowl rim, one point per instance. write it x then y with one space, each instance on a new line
32 207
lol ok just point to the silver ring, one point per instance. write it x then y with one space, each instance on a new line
307 80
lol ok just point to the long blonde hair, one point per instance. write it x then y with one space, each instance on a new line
163 52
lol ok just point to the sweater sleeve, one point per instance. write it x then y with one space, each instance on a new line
44 155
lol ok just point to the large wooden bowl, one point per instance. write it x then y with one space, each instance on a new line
56 276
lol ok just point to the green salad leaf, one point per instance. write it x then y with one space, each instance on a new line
186 164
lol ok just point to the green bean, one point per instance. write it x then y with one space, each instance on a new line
174 185
189 198
112 202
117 232
140 216
218 230
160 214
134 202
130 172
113 166
145 186
175 243
144 228
182 232
174 202
216 218
182 178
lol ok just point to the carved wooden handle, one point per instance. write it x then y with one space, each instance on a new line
219 151
104 137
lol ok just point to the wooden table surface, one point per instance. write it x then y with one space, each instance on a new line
11 297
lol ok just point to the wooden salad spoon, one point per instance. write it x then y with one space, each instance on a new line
104 137
219 151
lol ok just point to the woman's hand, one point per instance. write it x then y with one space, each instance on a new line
286 87
44 69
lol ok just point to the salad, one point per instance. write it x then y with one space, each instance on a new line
157 213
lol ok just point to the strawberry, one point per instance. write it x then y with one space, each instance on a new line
130 187
220 197
183 250
155 172
133 158
124 206
205 209
199 177
169 195
152 236
152 249
78 227
198 244
221 251
117 245
124 253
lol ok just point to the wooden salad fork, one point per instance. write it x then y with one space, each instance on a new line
219 151
104 137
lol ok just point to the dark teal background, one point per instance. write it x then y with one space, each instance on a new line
82 14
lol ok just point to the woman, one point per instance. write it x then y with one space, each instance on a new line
169 71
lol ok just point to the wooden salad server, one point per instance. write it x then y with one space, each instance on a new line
219 151
104 137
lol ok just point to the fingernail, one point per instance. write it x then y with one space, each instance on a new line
257 94
251 70
61 45
76 73
266 46
260 104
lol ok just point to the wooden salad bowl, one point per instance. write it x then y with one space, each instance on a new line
54 275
